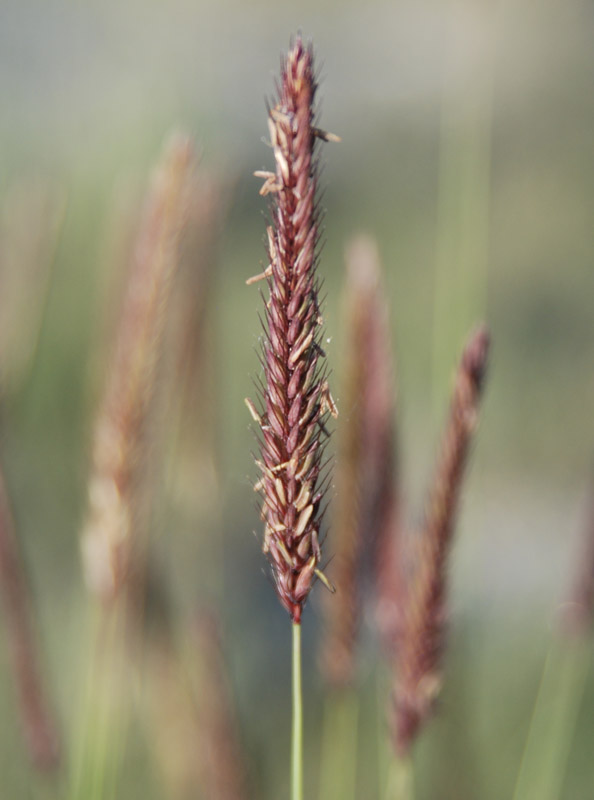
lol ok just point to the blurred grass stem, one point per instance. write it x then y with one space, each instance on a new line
100 740
464 186
338 776
37 717
400 779
562 686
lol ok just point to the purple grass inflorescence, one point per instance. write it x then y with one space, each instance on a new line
422 637
294 393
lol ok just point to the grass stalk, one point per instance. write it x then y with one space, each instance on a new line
464 185
101 739
38 722
562 685
297 733
552 726
395 771
399 785
338 776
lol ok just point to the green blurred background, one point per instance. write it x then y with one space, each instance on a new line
467 151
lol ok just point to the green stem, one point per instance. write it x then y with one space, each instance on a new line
297 738
400 779
103 724
338 774
463 197
553 722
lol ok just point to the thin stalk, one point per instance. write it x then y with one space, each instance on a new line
338 777
37 719
384 748
556 709
464 184
297 735
396 774
105 712
400 779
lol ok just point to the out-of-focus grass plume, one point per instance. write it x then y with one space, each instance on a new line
365 505
123 435
421 641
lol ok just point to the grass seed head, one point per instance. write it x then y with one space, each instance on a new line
421 643
296 396
366 475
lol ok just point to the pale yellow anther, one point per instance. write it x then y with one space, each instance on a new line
305 468
283 551
325 581
295 354
303 496
261 276
253 411
278 467
326 136
280 490
304 518
328 403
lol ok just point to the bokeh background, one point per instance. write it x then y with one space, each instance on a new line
467 131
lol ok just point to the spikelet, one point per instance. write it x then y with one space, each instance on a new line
421 644
295 397
120 444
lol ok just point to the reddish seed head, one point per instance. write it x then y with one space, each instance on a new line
294 394
365 503
421 640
